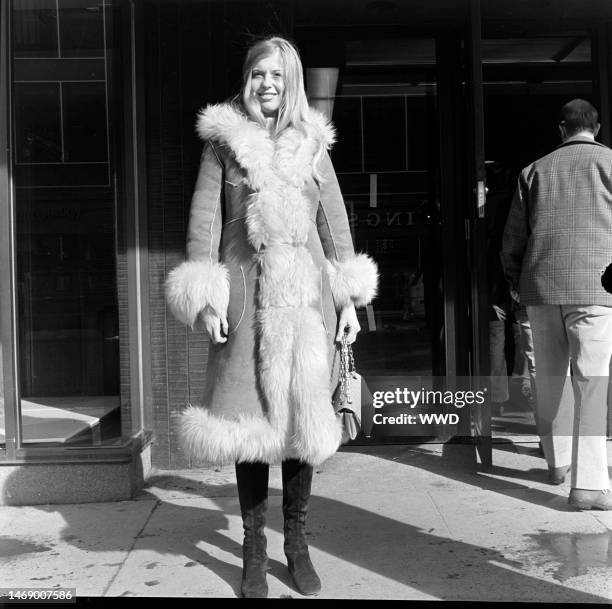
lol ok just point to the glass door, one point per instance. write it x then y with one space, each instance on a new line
384 94
526 81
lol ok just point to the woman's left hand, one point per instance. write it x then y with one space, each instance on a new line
348 321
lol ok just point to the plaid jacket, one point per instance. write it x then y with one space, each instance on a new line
558 237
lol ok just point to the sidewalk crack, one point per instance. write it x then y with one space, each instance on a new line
448 530
136 538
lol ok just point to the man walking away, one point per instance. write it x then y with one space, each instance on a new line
557 242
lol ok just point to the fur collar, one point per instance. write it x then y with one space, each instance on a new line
290 156
276 169
226 124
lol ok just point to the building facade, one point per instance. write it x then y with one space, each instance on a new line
438 104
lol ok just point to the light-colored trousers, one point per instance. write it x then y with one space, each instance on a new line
573 430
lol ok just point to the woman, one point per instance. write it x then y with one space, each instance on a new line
272 274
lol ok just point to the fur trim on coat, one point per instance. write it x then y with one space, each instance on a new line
355 279
194 285
292 347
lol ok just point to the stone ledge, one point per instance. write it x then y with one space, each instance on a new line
57 483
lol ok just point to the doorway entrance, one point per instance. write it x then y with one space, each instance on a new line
384 90
526 80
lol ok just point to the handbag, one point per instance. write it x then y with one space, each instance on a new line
346 399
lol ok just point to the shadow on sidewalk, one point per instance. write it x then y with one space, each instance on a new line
437 566
457 462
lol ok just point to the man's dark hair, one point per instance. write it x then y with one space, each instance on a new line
578 115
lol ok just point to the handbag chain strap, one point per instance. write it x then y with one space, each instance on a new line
347 365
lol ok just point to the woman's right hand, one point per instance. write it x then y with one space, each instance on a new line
215 325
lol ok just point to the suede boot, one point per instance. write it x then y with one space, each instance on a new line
252 479
297 479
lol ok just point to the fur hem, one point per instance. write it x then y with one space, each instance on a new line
208 438
353 280
195 284
322 442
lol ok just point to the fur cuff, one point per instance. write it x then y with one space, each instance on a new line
195 284
355 279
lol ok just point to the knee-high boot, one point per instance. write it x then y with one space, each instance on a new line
252 479
297 479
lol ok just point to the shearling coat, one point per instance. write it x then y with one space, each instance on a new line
268 244
558 237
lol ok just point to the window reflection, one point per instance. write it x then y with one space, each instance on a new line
66 223
347 119
382 116
387 162
84 119
385 112
35 28
38 134
81 29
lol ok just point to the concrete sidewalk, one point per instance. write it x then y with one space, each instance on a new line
389 522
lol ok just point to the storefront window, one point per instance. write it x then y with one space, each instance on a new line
66 235
385 112
383 101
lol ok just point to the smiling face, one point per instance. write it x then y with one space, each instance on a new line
267 84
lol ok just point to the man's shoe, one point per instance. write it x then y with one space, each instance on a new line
528 395
556 475
582 499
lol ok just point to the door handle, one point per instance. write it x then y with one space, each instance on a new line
481 198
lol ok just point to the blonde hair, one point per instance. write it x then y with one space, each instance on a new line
293 109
